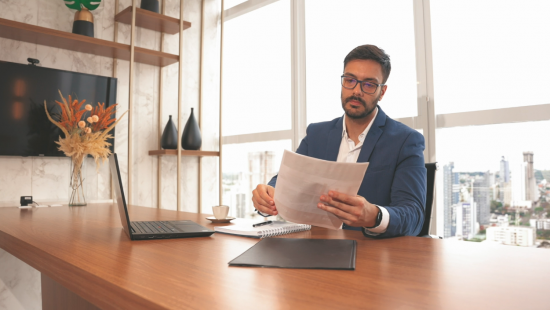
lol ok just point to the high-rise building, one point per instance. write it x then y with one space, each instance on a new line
506 193
236 194
451 187
260 167
531 191
240 204
504 182
504 174
524 186
260 170
482 198
464 215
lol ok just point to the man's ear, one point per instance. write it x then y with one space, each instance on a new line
383 92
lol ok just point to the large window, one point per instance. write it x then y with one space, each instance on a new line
245 166
495 170
490 54
256 71
490 78
334 28
256 99
470 75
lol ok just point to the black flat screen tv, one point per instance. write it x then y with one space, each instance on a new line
24 127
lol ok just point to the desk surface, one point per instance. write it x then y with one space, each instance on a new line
86 250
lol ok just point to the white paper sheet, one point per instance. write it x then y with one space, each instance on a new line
301 182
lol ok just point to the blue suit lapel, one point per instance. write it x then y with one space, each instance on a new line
372 137
334 140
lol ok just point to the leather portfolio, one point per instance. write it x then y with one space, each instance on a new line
300 254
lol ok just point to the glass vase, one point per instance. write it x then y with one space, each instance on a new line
77 197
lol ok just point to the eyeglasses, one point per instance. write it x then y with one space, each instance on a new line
366 87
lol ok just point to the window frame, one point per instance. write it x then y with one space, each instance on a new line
427 120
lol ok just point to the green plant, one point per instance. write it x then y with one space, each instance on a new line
79 4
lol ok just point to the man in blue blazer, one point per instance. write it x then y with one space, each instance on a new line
391 199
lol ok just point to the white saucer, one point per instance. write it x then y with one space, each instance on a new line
215 220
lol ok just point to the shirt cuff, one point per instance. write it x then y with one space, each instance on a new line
383 225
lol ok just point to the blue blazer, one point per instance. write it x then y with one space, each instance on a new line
396 176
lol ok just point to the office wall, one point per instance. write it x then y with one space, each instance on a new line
47 179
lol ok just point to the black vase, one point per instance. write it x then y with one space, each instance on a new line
150 5
191 138
169 139
83 27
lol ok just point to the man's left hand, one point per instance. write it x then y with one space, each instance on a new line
354 211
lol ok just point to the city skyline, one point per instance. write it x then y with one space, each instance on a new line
493 199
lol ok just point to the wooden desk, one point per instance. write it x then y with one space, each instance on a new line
85 250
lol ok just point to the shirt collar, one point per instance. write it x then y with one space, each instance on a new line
364 133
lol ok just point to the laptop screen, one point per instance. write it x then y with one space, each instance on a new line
120 200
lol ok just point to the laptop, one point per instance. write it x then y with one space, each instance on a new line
151 229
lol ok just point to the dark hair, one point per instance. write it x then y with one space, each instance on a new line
372 52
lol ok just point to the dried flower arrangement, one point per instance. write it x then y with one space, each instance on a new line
83 137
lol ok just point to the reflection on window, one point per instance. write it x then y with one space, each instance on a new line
493 184
482 60
245 166
334 28
256 71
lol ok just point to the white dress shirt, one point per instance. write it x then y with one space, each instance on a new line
349 152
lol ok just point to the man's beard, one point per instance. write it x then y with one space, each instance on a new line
359 115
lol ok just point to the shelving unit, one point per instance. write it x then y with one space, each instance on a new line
60 39
135 17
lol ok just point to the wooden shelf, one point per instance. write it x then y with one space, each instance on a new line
184 153
60 39
151 20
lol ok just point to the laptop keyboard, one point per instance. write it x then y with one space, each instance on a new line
153 227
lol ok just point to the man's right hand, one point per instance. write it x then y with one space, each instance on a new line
262 197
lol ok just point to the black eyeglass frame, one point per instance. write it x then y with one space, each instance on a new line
360 84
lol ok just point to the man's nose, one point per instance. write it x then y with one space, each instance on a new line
357 90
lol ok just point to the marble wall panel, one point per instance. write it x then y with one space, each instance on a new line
124 32
210 185
168 182
50 178
90 179
104 182
121 129
211 99
20 11
104 21
16 51
189 183
54 15
168 167
145 134
7 299
15 179
211 75
190 99
21 284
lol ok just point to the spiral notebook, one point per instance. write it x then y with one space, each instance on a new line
276 228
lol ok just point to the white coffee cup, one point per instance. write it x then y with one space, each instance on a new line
220 212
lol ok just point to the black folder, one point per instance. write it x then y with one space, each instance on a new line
300 254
